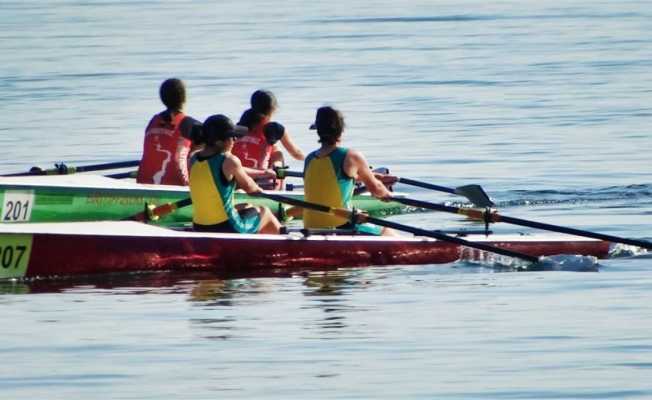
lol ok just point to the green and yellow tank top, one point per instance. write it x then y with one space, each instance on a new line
213 196
326 183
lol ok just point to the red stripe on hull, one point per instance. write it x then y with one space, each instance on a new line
81 255
72 254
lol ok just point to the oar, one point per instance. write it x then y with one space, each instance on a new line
493 216
63 169
399 227
474 193
153 213
123 175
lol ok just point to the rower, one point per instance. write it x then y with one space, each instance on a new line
258 150
167 139
214 173
330 173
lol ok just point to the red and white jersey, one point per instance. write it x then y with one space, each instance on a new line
253 149
165 152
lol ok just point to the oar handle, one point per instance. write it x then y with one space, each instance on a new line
284 173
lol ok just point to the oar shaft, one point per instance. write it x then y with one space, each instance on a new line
123 175
114 165
426 185
160 211
399 227
571 231
295 202
428 205
495 217
444 237
62 169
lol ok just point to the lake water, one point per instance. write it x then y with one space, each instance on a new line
546 104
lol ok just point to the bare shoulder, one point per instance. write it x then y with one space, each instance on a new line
231 160
355 156
231 163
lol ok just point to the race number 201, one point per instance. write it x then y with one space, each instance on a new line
17 206
15 251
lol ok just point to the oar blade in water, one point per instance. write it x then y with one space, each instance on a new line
476 195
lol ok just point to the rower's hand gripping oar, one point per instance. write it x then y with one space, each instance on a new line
352 215
63 169
489 215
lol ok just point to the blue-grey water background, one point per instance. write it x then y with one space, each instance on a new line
546 104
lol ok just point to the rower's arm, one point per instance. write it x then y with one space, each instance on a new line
356 166
256 173
232 167
291 147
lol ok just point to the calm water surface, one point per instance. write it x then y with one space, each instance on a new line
547 105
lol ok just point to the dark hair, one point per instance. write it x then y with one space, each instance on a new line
173 93
329 123
264 102
250 118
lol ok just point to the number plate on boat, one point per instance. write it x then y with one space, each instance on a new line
14 255
17 206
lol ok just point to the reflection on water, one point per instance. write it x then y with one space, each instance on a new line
330 292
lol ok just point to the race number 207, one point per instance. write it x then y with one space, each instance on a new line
15 250
12 255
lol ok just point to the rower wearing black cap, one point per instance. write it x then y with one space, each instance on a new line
330 173
214 173
259 151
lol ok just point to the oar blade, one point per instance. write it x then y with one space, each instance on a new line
476 195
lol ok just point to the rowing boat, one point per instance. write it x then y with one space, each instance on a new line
93 198
83 248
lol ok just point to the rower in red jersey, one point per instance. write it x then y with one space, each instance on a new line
258 150
167 139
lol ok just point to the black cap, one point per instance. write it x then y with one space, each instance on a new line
220 127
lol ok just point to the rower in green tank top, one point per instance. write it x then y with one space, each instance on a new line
330 173
214 174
